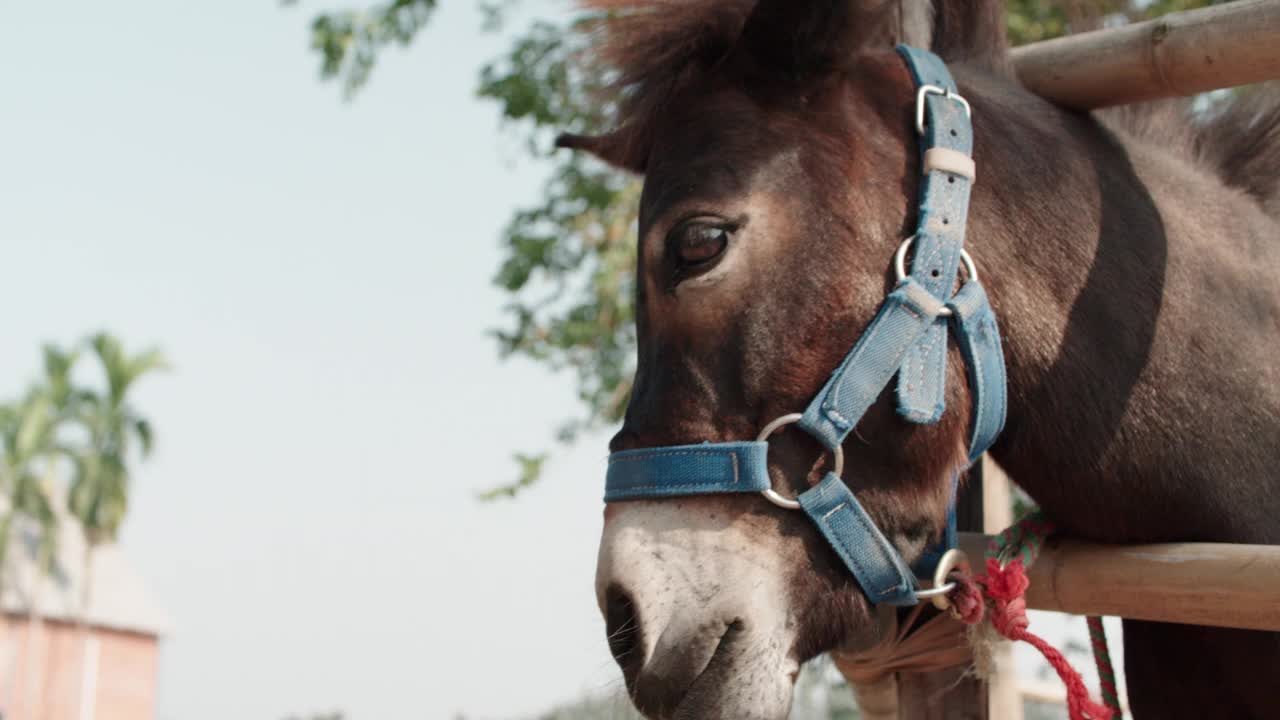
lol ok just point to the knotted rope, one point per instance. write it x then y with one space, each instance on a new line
925 643
1005 586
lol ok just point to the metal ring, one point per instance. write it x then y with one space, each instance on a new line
951 561
771 428
900 267
900 261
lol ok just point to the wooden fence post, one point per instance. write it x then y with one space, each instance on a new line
997 511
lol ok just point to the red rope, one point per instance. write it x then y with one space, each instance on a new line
1007 587
966 599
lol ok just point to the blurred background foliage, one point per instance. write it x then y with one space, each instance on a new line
67 450
568 270
67 446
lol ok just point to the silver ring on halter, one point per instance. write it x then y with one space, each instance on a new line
900 267
951 561
771 428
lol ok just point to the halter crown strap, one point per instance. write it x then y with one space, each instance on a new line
915 347
944 205
907 338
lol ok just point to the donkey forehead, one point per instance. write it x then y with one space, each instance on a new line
719 146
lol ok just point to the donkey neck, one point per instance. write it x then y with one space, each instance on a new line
1143 374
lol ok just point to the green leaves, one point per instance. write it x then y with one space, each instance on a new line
349 41
570 260
530 470
92 430
1033 20
31 446
121 369
142 431
99 495
541 85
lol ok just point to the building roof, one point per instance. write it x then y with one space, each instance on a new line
119 599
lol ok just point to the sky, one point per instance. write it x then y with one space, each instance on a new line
318 273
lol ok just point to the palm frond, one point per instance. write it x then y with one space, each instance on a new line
146 438
122 369
58 365
35 428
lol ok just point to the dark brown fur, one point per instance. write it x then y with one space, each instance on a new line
1131 265
1242 144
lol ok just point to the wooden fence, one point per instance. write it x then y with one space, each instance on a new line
1236 586
1181 53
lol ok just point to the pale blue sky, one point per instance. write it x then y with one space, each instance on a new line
319 274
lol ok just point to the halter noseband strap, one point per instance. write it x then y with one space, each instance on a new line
907 338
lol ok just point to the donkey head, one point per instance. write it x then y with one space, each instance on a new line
779 155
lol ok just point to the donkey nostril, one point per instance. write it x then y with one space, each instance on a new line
624 629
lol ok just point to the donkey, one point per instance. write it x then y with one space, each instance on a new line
1130 260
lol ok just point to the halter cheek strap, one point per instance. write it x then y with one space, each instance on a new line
907 339
979 339
877 566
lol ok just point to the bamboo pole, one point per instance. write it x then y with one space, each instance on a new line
1181 53
1218 584
997 514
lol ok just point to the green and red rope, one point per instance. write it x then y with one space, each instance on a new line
1001 595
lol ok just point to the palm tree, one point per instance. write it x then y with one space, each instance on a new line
30 435
63 399
99 494
53 403
31 444
24 432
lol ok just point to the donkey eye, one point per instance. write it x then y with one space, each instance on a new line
697 243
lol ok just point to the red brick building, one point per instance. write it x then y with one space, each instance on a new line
50 669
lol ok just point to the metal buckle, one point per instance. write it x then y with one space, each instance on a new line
935 90
771 428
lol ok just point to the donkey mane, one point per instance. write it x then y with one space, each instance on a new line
1238 141
651 42
1242 144
653 48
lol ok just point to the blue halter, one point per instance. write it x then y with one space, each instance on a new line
907 338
